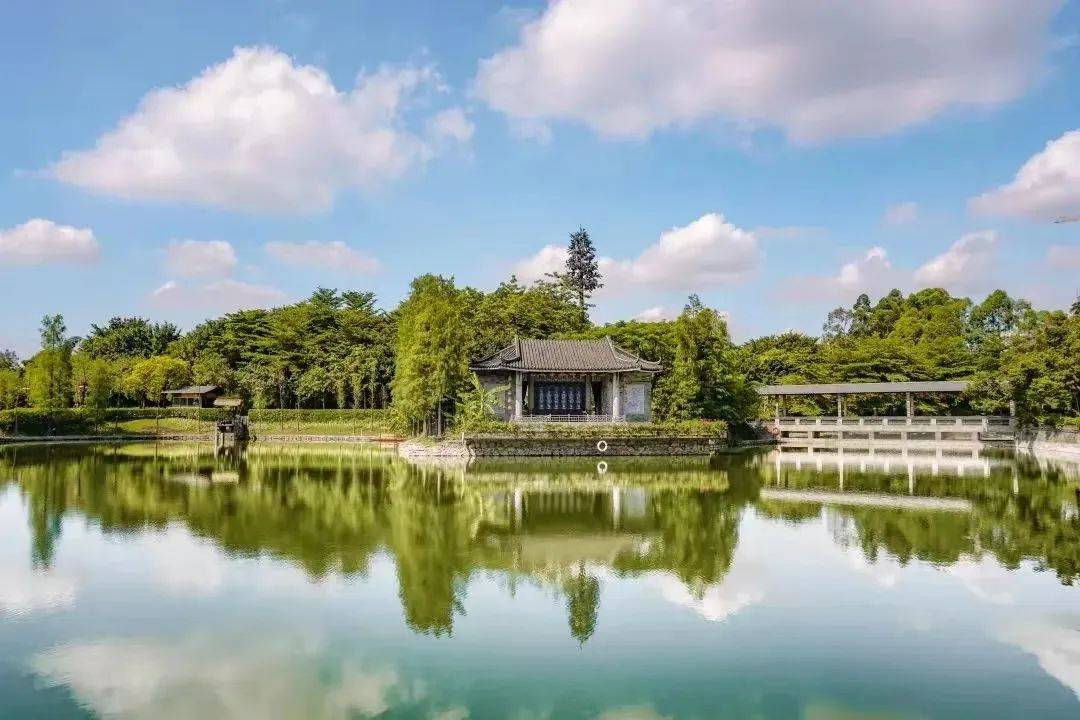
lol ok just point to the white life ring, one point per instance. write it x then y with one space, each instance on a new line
601 446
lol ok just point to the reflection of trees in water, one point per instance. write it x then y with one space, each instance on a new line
1024 510
330 509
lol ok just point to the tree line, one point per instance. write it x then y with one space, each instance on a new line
339 350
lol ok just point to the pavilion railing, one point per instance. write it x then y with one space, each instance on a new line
944 422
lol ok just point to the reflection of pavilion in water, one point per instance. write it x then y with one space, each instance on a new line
561 527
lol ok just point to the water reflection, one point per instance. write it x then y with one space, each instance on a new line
331 509
337 581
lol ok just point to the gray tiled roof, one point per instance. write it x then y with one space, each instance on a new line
943 386
192 390
565 356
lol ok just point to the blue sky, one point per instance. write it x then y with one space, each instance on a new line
176 160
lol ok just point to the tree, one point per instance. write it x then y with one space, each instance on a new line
9 360
148 378
11 388
582 270
431 360
1075 309
704 380
582 604
129 337
48 379
476 404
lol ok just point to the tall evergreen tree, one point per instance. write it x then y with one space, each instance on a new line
582 269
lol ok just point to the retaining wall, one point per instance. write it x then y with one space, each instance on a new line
1050 440
562 447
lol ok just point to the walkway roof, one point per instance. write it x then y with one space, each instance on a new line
937 386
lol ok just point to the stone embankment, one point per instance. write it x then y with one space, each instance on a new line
561 447
1046 441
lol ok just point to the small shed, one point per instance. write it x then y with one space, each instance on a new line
200 396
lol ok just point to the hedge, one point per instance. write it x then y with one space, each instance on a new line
716 429
87 421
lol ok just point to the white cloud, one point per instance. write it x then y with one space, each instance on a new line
258 132
39 242
903 213
1064 257
213 676
219 296
872 273
551 258
335 255
819 70
1045 187
24 591
964 265
708 252
656 314
193 258
1054 643
451 124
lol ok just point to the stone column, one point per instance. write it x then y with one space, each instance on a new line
616 397
518 410
910 405
588 394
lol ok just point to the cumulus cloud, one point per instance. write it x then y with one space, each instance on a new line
41 242
334 255
218 296
1045 187
708 252
258 132
873 272
193 258
656 314
204 676
819 70
903 213
966 264
1064 257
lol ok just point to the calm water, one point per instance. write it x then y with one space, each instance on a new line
341 582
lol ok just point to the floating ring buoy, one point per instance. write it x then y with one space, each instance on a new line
601 467
602 446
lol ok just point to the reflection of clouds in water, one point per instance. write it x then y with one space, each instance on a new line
210 676
23 590
454 713
884 571
1055 642
185 564
742 587
985 578
640 712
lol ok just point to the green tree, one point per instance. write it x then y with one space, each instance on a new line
129 337
11 388
582 269
704 380
148 378
431 361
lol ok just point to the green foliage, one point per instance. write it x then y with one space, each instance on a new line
716 430
129 338
432 353
705 381
475 407
582 275
11 388
93 381
48 378
148 378
95 421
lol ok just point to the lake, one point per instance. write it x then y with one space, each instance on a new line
143 581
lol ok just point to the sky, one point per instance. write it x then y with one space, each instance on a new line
777 157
